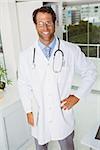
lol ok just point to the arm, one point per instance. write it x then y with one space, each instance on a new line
24 88
87 70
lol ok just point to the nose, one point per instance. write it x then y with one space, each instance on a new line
45 26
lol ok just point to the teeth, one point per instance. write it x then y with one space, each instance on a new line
45 33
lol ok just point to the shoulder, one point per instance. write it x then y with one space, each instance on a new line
70 48
26 52
70 45
25 56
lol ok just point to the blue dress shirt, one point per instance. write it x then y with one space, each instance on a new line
47 50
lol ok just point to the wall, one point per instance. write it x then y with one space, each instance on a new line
10 37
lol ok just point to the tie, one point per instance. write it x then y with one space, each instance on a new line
48 52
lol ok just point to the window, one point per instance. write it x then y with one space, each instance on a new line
96 7
83 27
1 50
2 61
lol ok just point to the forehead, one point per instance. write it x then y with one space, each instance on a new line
43 16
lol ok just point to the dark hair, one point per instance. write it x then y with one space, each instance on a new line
44 9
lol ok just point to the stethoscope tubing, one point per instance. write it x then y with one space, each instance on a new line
58 50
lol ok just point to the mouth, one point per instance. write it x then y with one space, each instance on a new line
46 33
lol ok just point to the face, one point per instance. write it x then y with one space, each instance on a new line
45 27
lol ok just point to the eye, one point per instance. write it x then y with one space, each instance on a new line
42 24
49 23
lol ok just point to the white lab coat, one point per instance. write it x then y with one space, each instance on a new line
43 89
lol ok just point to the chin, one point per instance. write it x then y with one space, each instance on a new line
49 38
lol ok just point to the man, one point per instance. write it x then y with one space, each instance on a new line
46 72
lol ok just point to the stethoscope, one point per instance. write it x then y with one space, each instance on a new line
55 69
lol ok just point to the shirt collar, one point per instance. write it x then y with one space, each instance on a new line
51 45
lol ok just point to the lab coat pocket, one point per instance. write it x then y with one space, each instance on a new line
67 115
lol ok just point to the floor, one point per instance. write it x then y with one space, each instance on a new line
31 147
51 146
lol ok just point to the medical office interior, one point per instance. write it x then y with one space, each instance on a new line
78 21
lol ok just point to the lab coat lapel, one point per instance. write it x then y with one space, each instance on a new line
41 64
42 56
38 72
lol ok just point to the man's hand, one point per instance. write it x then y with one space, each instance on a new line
69 102
30 118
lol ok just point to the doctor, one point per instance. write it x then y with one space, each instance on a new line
46 72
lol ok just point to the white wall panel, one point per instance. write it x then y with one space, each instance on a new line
27 30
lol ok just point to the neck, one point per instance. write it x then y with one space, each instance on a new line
46 43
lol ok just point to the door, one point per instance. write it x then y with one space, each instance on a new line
27 30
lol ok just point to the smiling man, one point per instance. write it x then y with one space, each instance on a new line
45 28
49 82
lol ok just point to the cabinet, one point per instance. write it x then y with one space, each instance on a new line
89 139
14 129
